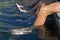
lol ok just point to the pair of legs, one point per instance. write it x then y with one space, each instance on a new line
22 10
35 3
36 8
43 11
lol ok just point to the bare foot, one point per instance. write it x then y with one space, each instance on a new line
20 8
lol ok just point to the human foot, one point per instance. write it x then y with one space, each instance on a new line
20 8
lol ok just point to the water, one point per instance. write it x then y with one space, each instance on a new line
11 17
7 36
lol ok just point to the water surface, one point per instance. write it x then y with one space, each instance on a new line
10 16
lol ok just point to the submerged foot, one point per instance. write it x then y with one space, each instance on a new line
20 8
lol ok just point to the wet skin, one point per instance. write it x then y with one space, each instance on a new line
46 10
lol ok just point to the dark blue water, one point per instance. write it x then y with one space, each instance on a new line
10 16
7 36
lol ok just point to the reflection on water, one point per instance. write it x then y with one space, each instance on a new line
7 36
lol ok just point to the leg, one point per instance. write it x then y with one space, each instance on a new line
42 15
45 1
38 5
45 11
41 29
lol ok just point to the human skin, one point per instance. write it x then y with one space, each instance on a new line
38 5
46 10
